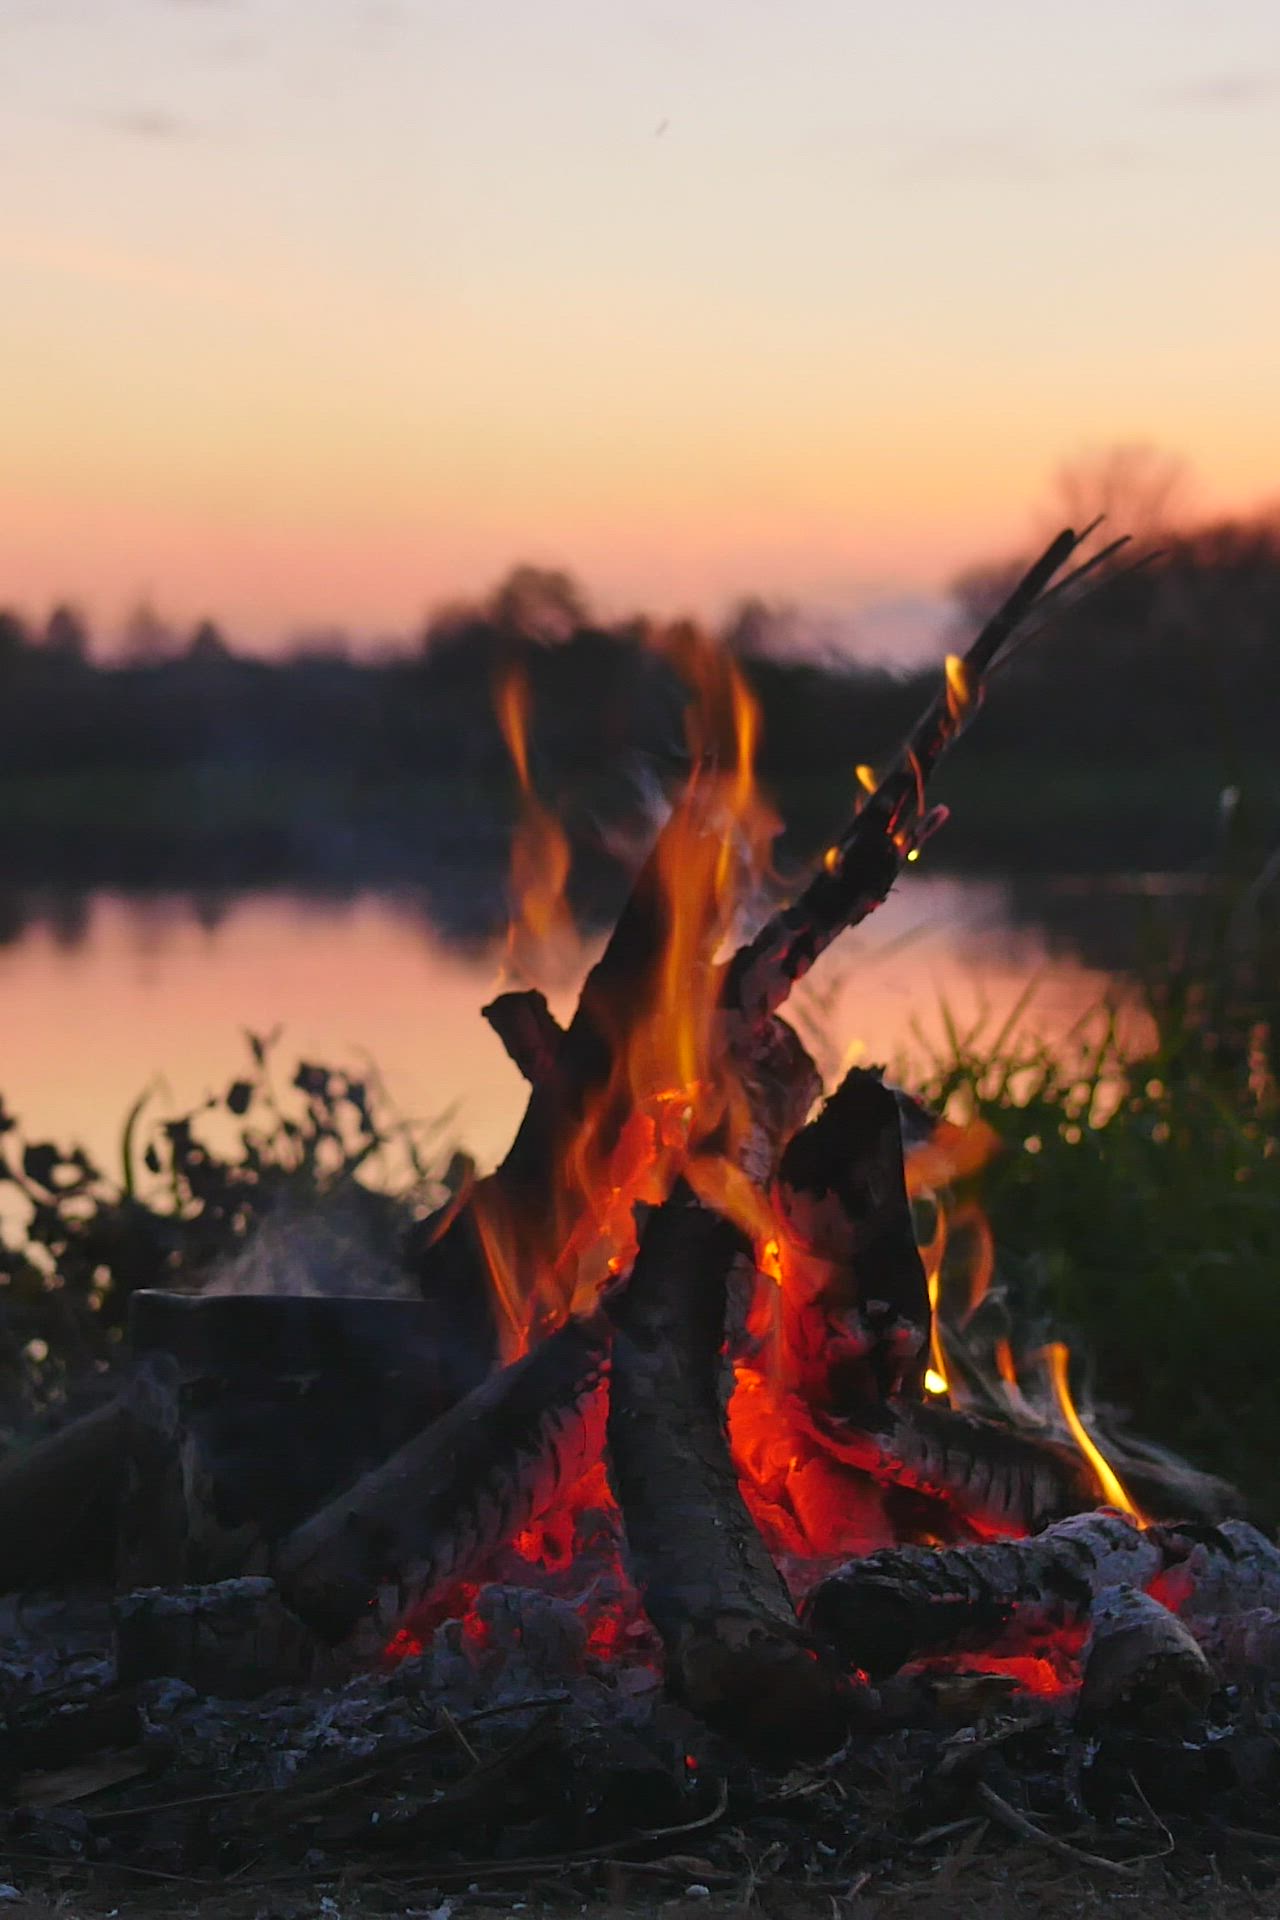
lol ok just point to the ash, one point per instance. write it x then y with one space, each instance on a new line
511 1752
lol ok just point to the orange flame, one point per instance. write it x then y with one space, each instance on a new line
1109 1483
669 1087
959 688
541 928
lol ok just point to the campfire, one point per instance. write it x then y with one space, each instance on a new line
699 1449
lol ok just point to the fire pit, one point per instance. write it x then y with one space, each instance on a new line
664 1481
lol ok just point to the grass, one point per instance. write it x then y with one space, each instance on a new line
1135 1203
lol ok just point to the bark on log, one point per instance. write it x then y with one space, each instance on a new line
58 1502
1005 1479
856 1303
907 1602
1142 1665
735 1654
433 1511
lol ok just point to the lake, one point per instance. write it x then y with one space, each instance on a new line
103 992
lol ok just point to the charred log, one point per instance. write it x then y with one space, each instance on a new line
863 865
1142 1666
1004 1480
856 1303
433 1511
906 1602
234 1640
735 1654
529 1031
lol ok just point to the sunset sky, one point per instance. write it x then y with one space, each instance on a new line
317 312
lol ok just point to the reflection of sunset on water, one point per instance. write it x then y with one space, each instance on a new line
149 991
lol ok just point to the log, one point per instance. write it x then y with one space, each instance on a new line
431 1513
856 1302
735 1654
528 1030
909 1602
905 1603
861 867
234 1639
1004 1479
58 1502
1142 1666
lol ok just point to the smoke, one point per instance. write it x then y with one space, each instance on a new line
333 1248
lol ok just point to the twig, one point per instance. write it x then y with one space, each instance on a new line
459 1737
1027 1830
861 867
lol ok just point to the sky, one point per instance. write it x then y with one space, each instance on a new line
316 313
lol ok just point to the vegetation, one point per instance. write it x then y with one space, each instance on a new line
1104 746
1136 1203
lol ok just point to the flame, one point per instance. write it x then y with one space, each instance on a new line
669 1091
541 929
959 688
1109 1483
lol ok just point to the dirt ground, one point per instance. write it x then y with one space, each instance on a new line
1009 1885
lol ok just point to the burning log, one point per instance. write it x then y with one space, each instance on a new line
1142 1666
439 1505
1003 1479
855 1301
862 866
515 1207
907 1602
735 1653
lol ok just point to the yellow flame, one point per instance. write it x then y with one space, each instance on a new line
1109 1482
934 1382
866 777
959 687
541 926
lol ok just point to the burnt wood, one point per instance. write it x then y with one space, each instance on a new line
734 1652
432 1512
856 1306
1004 1479
1142 1666
528 1030
864 863
906 1602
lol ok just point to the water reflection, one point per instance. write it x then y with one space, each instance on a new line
102 992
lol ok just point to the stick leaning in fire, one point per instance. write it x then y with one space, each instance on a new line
447 1254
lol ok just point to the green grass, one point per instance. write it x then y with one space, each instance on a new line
1135 1204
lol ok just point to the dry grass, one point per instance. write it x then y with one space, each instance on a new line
970 1883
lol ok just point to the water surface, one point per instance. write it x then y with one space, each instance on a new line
104 992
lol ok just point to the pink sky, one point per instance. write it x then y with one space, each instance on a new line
316 317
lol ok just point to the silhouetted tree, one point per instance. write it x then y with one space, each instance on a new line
207 647
148 640
66 638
